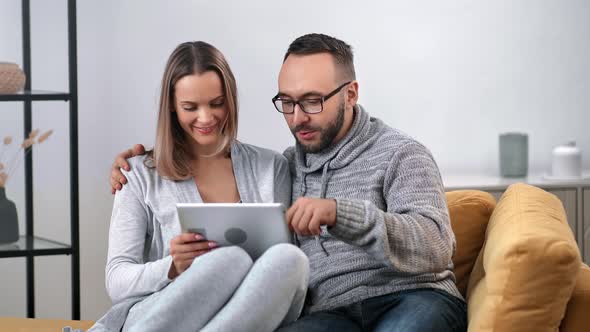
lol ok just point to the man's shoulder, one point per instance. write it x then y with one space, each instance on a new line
397 140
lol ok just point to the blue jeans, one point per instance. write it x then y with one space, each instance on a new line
418 310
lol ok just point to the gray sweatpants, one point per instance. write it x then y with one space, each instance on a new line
224 291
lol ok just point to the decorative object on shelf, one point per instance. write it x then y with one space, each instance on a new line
12 78
514 154
566 162
8 166
8 216
5 143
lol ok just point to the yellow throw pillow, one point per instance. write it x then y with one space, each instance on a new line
470 211
526 272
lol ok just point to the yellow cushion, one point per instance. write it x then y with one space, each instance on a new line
470 211
13 324
526 272
577 316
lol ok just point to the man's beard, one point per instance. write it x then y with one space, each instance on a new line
327 135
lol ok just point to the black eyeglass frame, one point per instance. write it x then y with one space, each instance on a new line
322 100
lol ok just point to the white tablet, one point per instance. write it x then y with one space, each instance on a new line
254 227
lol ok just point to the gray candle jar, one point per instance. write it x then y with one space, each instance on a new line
514 154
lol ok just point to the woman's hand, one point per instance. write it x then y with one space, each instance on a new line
184 248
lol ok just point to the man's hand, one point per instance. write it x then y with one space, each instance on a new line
184 248
306 215
117 177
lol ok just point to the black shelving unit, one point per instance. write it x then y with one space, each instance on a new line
29 245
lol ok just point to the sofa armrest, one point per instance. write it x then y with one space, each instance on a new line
527 269
577 317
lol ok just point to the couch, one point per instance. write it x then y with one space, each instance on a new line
516 263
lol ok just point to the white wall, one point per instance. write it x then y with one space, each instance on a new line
453 74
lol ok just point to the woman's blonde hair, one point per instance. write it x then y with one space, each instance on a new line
172 153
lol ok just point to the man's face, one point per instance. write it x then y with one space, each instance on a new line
311 77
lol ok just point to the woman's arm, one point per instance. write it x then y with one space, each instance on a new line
127 274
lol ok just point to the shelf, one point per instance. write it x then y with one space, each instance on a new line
35 95
496 182
36 246
29 246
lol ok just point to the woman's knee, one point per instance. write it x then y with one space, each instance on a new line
288 256
233 255
287 252
223 261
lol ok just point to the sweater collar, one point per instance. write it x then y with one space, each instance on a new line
342 153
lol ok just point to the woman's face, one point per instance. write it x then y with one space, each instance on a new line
201 108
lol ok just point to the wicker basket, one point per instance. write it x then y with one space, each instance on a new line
12 78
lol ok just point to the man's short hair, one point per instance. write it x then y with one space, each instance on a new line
315 43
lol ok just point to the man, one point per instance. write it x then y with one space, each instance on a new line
368 209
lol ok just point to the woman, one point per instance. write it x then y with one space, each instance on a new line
162 280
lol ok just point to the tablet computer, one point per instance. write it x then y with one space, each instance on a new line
254 227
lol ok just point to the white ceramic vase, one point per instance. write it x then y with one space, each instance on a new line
566 161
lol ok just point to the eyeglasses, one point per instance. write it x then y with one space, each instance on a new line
307 105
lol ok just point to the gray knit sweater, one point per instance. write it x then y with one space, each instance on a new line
392 232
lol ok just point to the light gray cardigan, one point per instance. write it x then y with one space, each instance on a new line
144 220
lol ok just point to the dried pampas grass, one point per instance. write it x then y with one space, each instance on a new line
27 143
34 133
7 141
26 146
3 178
45 136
